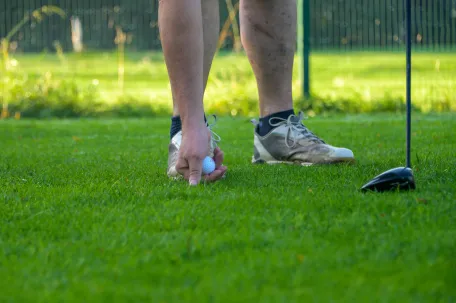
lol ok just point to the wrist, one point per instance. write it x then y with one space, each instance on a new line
193 121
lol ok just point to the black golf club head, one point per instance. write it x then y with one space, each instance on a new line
400 178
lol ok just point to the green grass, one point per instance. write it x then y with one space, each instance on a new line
87 214
342 82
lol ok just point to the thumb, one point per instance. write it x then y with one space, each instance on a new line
196 168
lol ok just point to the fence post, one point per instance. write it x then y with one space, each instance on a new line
305 51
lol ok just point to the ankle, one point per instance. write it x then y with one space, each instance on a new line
176 125
264 127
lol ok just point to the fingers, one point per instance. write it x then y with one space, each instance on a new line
218 157
182 167
216 175
192 169
195 168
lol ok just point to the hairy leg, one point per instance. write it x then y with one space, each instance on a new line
268 33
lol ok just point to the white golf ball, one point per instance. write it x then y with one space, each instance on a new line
208 165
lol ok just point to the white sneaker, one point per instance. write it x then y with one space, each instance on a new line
291 142
174 145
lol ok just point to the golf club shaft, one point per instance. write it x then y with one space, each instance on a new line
408 17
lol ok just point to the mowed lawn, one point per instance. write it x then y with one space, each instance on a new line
88 214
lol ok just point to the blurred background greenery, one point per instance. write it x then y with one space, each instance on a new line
103 58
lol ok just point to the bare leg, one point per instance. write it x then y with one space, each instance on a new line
182 37
268 33
211 29
181 31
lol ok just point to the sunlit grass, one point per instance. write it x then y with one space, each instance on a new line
343 82
87 213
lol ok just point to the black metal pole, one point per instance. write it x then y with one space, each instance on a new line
408 17
306 47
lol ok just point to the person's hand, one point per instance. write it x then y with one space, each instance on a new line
193 150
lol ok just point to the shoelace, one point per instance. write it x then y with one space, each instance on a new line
296 129
214 136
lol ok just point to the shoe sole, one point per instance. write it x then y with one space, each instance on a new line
301 163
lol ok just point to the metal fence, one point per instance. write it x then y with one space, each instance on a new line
99 19
380 24
335 24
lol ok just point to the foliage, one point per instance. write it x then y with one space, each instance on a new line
37 15
80 85
47 97
125 84
13 83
